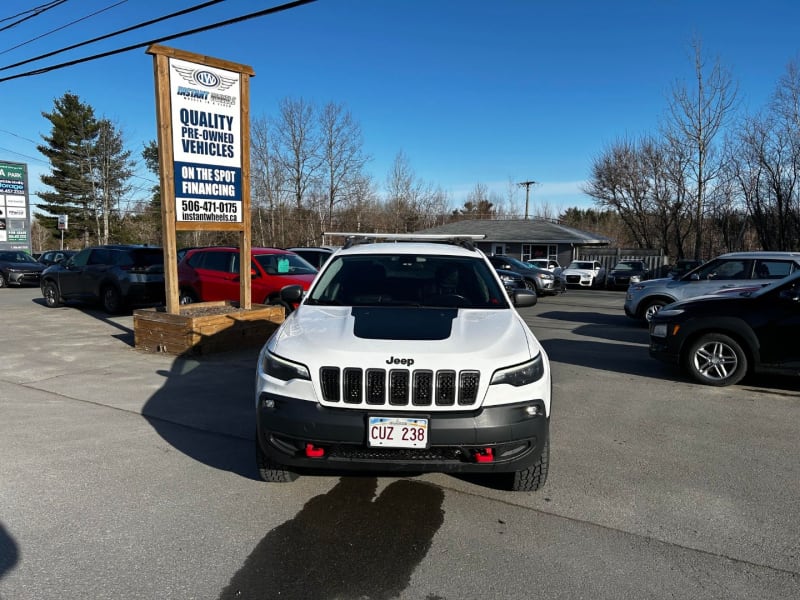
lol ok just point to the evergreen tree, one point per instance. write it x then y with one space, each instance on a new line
70 148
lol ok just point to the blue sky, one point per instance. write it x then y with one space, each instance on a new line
492 92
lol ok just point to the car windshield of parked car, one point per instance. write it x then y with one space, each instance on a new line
284 264
629 266
16 257
408 280
581 265
518 264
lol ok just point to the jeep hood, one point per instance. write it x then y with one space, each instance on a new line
433 338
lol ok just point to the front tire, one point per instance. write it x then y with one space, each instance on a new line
534 477
186 297
652 308
111 300
716 359
271 471
51 296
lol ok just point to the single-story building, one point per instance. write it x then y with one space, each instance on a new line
527 238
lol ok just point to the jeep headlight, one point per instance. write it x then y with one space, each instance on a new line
283 369
519 375
546 276
636 278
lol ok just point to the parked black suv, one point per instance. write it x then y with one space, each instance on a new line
719 339
115 276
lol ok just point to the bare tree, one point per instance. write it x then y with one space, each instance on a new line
697 114
297 147
342 154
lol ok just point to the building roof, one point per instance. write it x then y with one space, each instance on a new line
523 231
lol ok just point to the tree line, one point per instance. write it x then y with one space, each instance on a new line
711 179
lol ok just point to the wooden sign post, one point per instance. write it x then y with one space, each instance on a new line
203 115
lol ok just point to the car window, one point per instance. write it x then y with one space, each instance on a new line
724 269
81 258
216 261
100 256
146 257
773 269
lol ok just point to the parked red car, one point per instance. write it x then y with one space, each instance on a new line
208 274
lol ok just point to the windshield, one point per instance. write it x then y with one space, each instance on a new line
284 264
518 263
581 265
629 266
408 280
16 257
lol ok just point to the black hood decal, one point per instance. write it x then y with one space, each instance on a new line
403 323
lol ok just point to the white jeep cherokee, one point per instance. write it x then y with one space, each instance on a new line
405 355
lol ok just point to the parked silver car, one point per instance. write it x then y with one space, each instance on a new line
732 270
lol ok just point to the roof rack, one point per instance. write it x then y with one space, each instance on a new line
351 239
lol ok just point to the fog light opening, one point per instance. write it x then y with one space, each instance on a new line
313 451
533 411
486 455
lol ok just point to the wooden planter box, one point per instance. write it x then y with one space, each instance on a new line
204 328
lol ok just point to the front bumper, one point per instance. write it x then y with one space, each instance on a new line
457 441
581 280
21 278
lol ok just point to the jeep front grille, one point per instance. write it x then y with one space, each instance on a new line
399 387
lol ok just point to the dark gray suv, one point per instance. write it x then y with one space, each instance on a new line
114 276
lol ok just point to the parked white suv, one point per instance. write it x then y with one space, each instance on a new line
405 355
728 271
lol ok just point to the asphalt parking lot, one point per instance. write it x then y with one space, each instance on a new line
125 474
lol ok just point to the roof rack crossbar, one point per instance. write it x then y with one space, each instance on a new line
465 240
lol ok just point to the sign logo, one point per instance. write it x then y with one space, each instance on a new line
204 78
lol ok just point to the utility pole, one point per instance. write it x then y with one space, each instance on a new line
527 185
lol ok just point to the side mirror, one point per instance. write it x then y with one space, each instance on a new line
253 272
292 294
524 298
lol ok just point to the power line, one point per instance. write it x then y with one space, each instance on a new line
35 13
114 34
38 37
260 13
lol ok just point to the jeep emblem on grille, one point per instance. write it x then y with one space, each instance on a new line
400 361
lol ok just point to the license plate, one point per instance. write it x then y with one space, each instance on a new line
397 432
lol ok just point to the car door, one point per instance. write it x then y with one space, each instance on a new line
779 322
716 275
71 275
217 279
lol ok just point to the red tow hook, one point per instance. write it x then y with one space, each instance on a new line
484 456
313 451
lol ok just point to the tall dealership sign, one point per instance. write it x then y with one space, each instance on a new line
15 213
203 113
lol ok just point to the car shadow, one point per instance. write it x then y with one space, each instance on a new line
125 335
205 409
9 552
346 543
